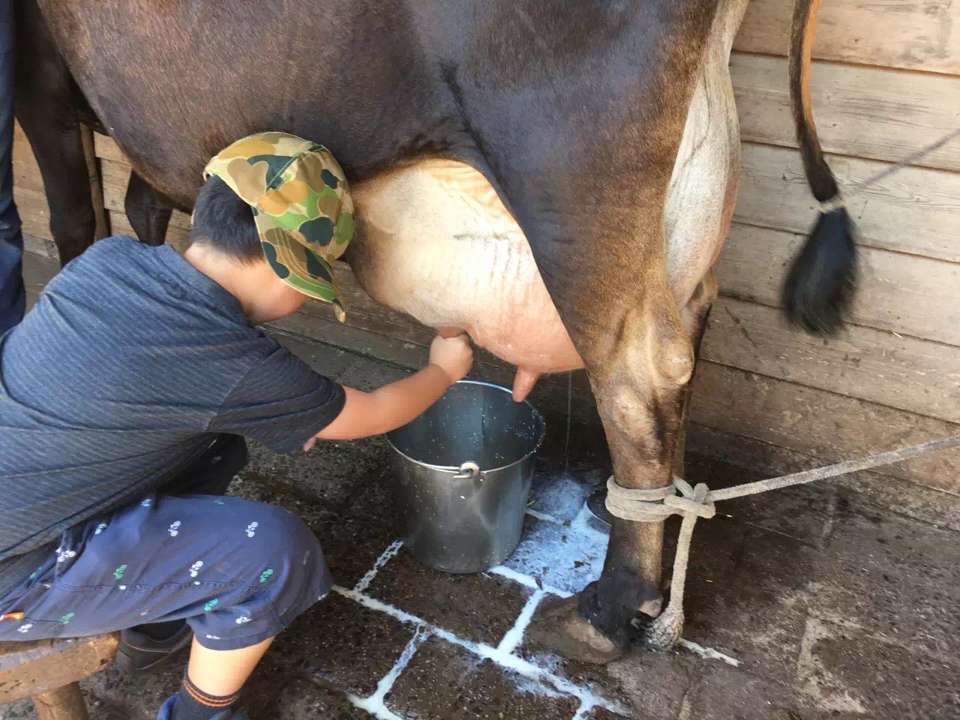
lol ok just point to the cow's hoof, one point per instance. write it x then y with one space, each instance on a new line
663 631
560 628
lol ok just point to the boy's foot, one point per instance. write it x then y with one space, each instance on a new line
139 652
166 712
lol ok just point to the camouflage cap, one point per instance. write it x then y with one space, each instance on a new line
301 203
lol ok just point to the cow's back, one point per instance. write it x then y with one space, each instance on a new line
175 81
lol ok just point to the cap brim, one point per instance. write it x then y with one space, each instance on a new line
299 267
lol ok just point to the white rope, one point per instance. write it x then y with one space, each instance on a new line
854 189
693 503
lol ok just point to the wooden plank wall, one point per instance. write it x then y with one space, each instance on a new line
886 85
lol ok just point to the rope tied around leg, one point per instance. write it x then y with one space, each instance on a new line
695 502
656 504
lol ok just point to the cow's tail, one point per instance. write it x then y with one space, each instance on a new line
820 284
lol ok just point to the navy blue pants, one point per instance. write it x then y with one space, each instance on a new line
12 298
238 571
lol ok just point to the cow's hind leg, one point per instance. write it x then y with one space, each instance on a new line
641 403
694 317
640 394
148 211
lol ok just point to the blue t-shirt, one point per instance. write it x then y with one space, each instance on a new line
129 363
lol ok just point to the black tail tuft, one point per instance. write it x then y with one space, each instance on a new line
820 285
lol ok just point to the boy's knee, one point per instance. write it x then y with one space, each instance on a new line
284 535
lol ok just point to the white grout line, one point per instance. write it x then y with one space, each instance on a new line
381 713
502 655
708 653
546 517
514 636
527 581
506 660
585 707
375 704
385 557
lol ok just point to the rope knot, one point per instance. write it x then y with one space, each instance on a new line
657 504
692 499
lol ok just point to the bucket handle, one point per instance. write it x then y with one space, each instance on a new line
469 471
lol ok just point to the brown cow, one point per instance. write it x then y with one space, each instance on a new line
583 135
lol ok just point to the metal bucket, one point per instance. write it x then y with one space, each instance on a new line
464 470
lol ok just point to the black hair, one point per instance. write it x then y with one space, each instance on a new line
224 222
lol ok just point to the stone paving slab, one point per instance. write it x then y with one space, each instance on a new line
109 694
721 693
594 677
743 605
845 669
304 700
656 683
351 541
805 513
529 677
444 681
896 577
480 608
344 644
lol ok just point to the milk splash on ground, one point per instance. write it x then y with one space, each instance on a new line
561 546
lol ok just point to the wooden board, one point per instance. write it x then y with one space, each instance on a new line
916 210
26 176
900 372
371 329
29 196
554 394
907 34
819 423
107 148
120 225
26 172
116 176
30 667
914 363
906 294
33 210
864 111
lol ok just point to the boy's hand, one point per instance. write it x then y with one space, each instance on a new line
371 413
452 355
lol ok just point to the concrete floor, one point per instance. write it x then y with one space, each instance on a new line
801 604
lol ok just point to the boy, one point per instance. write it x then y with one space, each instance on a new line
121 396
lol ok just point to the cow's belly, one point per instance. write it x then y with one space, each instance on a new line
437 243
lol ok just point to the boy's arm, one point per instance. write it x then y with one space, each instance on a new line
365 414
